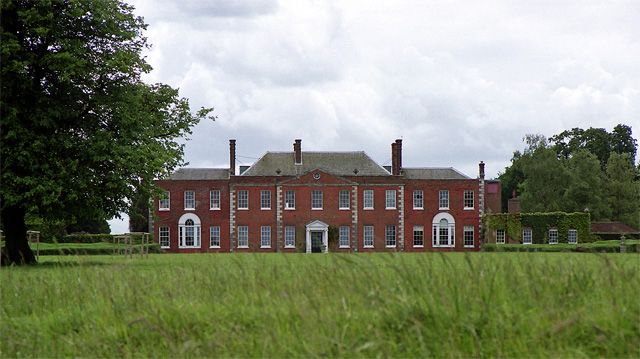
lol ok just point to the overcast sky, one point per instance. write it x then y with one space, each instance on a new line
458 81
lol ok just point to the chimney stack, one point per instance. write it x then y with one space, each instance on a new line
396 157
297 150
481 166
232 157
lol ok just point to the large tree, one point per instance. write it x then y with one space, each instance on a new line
80 130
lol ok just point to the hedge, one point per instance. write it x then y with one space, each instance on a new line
602 246
64 249
540 223
88 238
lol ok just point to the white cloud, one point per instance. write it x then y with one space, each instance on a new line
459 81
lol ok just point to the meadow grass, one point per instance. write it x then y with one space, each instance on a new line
297 305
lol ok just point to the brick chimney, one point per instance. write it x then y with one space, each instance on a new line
232 157
481 168
396 157
297 151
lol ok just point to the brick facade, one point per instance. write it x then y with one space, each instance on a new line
331 175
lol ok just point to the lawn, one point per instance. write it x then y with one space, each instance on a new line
298 305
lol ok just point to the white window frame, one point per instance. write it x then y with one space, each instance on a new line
192 199
241 199
185 229
368 239
468 196
265 236
418 199
439 239
572 233
214 236
164 233
501 236
390 199
390 237
342 200
416 230
443 199
289 200
553 233
162 205
468 231
367 196
289 236
527 236
214 200
243 236
315 200
343 236
265 200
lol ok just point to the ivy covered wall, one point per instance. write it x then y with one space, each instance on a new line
540 223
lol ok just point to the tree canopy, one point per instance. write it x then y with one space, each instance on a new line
578 170
81 132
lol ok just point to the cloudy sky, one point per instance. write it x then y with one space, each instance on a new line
458 81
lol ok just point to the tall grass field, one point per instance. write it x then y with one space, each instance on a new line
323 305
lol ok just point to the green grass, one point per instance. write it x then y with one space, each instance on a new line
297 305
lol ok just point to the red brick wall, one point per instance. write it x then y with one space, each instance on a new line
207 217
379 217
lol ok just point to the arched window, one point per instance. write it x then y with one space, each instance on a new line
189 231
444 229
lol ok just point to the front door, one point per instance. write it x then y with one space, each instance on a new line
316 242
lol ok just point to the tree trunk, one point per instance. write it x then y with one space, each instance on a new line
16 250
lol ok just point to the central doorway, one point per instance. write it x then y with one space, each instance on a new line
317 237
316 242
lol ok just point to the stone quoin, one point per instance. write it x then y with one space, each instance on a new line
310 202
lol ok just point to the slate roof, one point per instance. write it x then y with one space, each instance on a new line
336 163
200 174
433 173
612 227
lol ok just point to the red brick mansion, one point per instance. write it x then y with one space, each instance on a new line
317 202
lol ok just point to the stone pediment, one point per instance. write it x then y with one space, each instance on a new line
319 176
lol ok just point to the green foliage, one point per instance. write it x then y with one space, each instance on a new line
546 180
540 223
47 249
623 190
81 131
296 305
571 173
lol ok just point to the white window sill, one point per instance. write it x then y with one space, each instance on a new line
468 208
443 208
421 246
243 247
316 209
243 209
289 208
267 247
216 247
164 209
368 208
553 243
189 209
344 247
188 247
418 208
526 244
390 208
265 209
368 247
443 246
344 208
389 246
469 246
214 209
165 247
289 247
